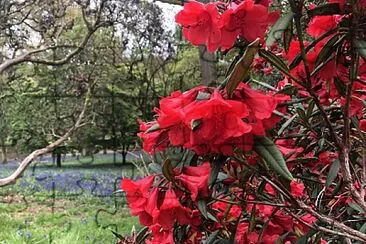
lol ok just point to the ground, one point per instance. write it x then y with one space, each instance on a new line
77 203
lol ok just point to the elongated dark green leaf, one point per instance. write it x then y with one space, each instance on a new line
326 9
301 114
287 36
327 50
286 124
119 236
298 59
333 172
141 235
252 219
278 28
341 88
212 217
153 128
273 157
310 109
168 170
242 67
215 169
363 228
361 47
202 207
356 207
276 62
212 237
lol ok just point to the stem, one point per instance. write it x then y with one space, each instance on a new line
345 160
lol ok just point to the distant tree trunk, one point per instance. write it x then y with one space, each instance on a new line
124 154
4 153
207 62
58 159
208 66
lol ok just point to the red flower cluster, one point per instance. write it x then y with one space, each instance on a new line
204 24
159 206
203 120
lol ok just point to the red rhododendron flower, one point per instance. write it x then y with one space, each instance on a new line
160 235
171 210
247 19
308 218
137 192
155 140
196 179
363 125
219 120
321 24
297 188
200 24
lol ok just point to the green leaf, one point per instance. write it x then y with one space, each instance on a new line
156 168
242 67
215 169
276 62
287 37
203 96
141 235
326 51
195 123
326 9
310 109
168 170
325 54
298 58
212 237
212 217
286 124
278 28
273 157
333 172
153 128
361 47
202 207
302 114
252 219
356 207
363 228
288 90
341 88
119 236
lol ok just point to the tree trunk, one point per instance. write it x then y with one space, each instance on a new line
58 159
4 154
208 66
207 60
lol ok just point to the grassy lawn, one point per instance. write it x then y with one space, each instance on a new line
74 204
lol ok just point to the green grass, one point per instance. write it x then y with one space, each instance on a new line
64 221
32 215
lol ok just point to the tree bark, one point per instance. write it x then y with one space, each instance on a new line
207 60
208 66
58 160
4 154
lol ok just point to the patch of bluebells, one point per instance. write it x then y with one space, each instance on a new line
66 181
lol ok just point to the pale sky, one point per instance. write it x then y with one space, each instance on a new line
169 11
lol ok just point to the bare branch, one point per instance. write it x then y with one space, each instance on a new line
31 157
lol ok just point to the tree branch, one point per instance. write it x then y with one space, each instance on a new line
31 157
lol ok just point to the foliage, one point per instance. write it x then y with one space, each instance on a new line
229 170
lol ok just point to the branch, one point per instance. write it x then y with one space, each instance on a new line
174 2
29 159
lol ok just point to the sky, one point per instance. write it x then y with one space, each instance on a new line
169 11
